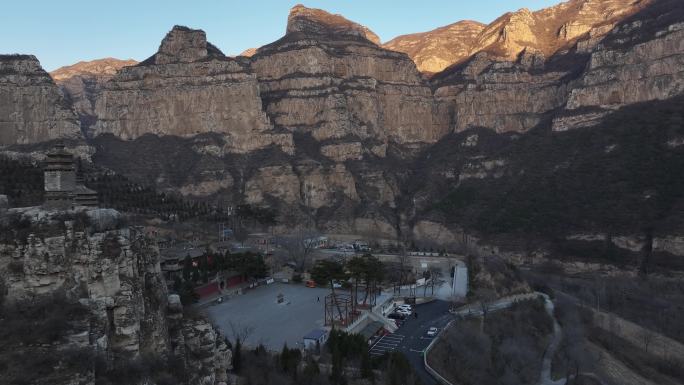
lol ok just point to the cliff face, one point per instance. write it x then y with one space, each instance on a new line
187 88
327 79
31 107
638 61
606 68
114 274
81 82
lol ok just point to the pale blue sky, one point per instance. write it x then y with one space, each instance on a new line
65 32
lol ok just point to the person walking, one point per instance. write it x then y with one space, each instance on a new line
318 299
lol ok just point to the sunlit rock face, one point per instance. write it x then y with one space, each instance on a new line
638 61
435 50
313 21
547 31
31 107
187 88
609 66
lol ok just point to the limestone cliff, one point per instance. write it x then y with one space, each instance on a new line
604 69
640 60
187 88
113 272
334 84
31 107
81 82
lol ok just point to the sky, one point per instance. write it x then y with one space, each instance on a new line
63 32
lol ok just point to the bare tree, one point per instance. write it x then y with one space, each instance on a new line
647 337
485 296
240 332
299 246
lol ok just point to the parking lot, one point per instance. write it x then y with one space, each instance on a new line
411 338
272 324
385 344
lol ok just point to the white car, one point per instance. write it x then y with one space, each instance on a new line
404 311
405 307
432 331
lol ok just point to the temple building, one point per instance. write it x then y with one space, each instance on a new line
63 189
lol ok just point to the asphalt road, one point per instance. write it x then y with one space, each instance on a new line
411 338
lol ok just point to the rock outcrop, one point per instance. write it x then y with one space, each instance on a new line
186 89
81 82
312 22
31 107
114 273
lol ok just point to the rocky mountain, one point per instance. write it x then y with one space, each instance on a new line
31 107
547 31
435 50
642 51
189 87
106 67
249 52
81 82
326 125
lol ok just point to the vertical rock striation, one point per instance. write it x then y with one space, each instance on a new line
186 89
327 77
31 107
81 83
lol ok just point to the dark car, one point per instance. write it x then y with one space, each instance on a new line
397 316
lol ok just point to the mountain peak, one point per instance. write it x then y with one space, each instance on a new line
312 21
184 45
101 67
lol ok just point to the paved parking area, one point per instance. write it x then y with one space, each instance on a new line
386 343
273 324
411 337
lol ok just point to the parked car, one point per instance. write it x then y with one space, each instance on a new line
396 315
336 285
405 306
432 331
403 311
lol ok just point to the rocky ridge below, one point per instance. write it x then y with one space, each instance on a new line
112 272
